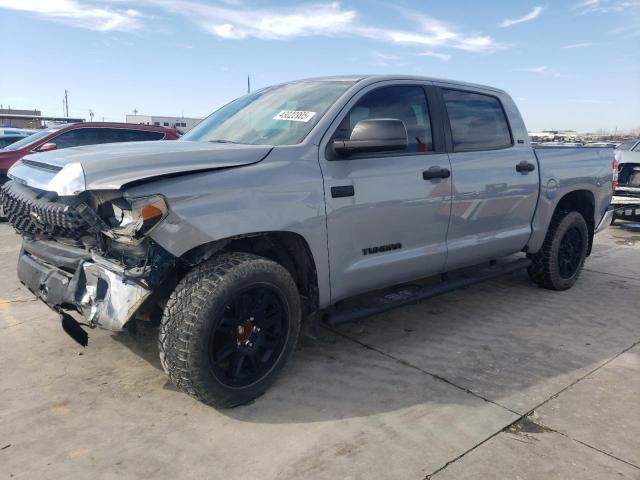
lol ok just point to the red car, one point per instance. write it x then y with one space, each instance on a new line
77 134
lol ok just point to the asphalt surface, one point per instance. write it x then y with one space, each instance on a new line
499 380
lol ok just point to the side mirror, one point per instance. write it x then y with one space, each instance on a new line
46 147
374 135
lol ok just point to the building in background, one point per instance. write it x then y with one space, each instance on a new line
11 117
182 124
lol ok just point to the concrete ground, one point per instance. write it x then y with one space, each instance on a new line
499 380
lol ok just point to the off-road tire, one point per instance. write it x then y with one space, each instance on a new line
192 312
544 270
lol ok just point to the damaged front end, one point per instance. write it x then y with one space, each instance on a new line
90 252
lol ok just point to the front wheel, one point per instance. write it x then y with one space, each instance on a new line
559 262
229 328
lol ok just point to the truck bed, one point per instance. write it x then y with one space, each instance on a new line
565 169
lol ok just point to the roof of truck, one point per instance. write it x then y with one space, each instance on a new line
380 78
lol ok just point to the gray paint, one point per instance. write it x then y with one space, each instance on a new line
392 204
492 203
288 189
284 192
110 166
564 170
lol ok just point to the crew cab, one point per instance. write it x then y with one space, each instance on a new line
277 209
77 134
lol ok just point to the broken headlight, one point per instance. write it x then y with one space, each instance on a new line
134 217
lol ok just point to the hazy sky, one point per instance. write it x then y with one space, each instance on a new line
569 64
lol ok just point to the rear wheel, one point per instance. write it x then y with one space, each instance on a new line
559 262
229 328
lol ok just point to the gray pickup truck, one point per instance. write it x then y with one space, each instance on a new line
279 208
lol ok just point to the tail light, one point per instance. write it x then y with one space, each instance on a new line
614 167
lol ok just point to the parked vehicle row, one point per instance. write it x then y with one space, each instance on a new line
78 134
261 220
576 144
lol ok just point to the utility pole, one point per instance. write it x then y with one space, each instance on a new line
135 111
66 103
91 114
248 84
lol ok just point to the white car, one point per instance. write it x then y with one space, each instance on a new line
10 135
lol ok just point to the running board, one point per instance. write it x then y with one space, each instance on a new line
389 302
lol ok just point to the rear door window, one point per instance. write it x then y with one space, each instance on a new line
144 135
114 135
478 121
406 103
76 137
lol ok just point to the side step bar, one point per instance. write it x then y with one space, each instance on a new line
346 315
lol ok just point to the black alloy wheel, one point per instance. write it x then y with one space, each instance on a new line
249 337
229 328
570 253
557 265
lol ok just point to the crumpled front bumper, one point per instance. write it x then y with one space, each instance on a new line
103 297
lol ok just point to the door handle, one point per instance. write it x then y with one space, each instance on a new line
436 172
342 191
525 166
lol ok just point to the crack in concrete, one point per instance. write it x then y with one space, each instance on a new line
610 274
524 418
18 300
527 425
605 363
592 447
13 325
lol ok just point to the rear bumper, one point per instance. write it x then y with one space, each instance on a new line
103 297
626 206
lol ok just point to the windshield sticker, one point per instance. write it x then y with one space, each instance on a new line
294 115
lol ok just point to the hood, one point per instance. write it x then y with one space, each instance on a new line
110 166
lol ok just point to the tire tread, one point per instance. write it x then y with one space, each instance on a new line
541 270
184 313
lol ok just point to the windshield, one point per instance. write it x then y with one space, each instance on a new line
26 141
281 115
